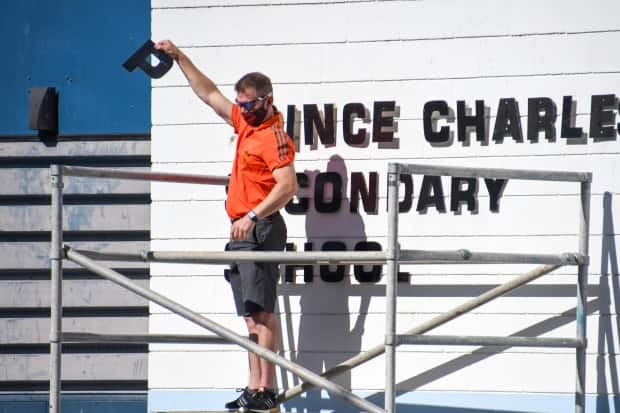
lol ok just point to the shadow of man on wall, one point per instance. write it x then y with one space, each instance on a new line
333 308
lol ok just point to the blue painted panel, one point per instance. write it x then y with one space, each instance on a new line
78 47
73 403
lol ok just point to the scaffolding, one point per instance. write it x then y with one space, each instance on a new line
393 256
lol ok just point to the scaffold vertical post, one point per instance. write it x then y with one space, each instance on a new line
56 288
582 295
391 291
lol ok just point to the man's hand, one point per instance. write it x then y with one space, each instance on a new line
241 228
169 48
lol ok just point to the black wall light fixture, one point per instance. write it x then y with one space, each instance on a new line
43 110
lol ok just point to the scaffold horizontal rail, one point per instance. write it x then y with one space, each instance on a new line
464 256
77 337
109 256
511 341
289 257
339 257
145 176
464 172
226 257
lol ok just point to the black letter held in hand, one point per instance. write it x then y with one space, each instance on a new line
138 59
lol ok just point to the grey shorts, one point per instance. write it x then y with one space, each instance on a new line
254 284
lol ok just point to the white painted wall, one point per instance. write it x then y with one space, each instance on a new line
411 52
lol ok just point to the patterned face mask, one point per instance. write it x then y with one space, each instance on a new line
255 117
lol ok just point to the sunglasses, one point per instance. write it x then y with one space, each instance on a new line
248 106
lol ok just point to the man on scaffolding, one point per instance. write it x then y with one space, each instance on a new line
262 181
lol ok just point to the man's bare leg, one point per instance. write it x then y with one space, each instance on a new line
264 326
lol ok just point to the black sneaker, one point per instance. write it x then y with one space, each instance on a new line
240 403
264 401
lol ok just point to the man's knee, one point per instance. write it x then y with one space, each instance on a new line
261 318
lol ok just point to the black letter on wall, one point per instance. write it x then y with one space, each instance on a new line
301 206
312 120
359 110
327 274
508 121
443 136
374 274
322 180
407 202
292 123
602 120
496 188
541 115
464 121
568 131
289 272
379 120
431 184
469 195
369 196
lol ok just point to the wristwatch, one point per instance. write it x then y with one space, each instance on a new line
252 215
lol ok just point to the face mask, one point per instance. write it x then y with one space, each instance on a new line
255 117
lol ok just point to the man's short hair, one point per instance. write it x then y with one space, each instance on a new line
256 80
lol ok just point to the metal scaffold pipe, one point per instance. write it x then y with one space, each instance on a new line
55 359
145 176
391 289
412 257
289 257
496 173
582 296
511 341
77 337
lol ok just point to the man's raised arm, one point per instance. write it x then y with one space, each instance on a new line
200 84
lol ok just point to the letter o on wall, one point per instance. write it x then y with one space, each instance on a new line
322 180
